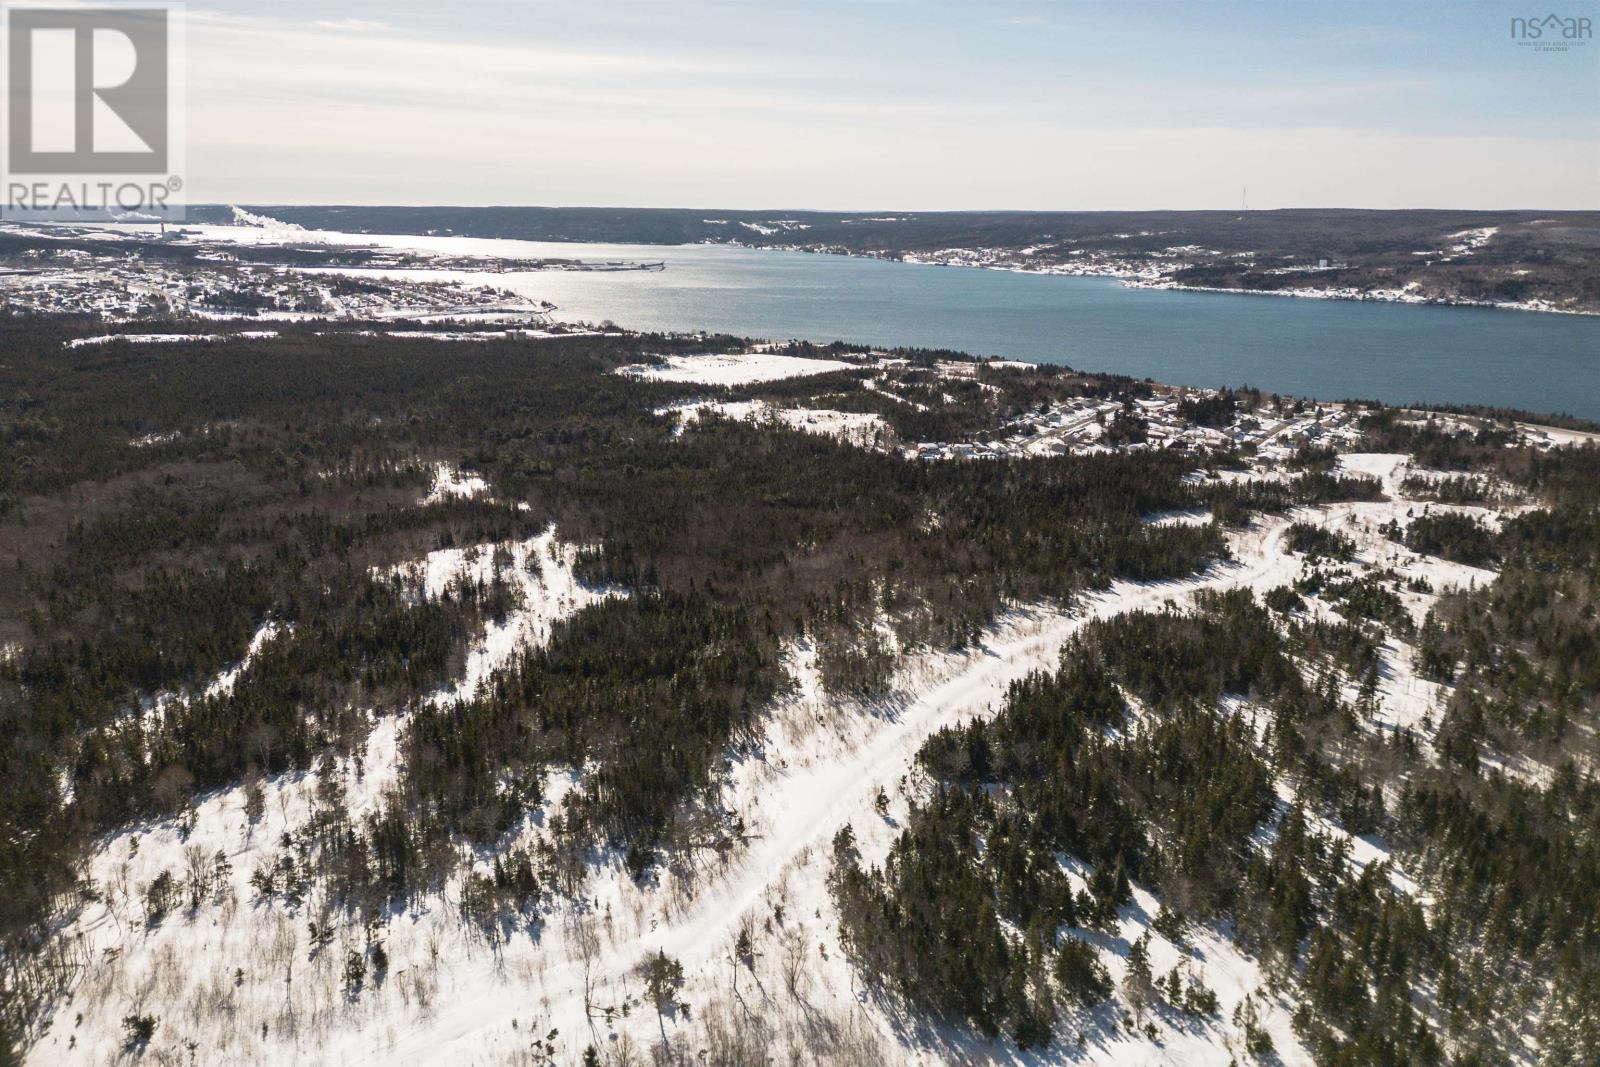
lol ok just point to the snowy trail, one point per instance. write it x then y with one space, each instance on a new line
804 809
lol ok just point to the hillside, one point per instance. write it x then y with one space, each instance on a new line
1540 260
493 696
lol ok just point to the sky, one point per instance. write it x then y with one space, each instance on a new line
888 104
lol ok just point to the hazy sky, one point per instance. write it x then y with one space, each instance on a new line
887 104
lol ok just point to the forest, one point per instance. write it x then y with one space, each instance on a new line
1128 760
283 481
160 504
1306 232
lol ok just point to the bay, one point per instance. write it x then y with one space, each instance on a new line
1329 349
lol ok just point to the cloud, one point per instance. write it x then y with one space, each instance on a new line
318 111
351 25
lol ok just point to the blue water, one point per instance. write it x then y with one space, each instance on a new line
1319 348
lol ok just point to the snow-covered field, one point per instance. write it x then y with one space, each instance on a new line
733 368
855 427
1557 437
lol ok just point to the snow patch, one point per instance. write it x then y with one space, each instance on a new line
448 483
1178 518
864 429
171 338
739 368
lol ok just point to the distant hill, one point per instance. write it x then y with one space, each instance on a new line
1318 231
1548 260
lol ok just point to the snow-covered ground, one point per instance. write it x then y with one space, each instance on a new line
1156 273
950 368
222 684
150 440
1179 518
734 368
1469 241
859 428
451 996
1405 295
169 338
232 974
242 980
823 764
1557 437
449 482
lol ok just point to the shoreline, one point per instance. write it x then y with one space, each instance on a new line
1154 280
1372 296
